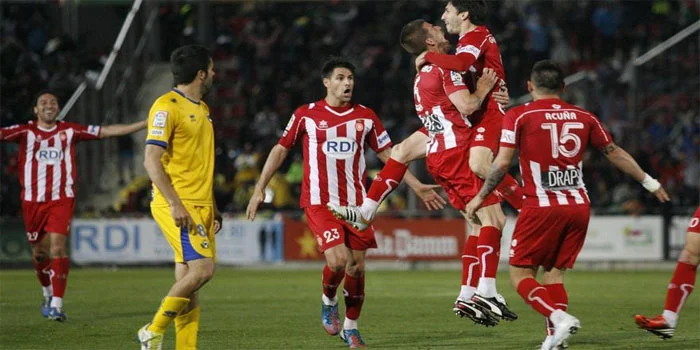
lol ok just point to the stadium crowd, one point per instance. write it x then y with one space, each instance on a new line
267 57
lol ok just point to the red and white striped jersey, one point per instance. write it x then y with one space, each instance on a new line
481 50
442 121
47 157
333 147
551 136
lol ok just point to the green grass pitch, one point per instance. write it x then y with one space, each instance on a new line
254 309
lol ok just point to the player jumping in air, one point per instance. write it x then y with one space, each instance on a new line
477 49
551 136
47 175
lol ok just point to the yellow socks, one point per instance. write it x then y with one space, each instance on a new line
186 328
168 310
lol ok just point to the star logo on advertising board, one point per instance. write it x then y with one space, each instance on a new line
307 245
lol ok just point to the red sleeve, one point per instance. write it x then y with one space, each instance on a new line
459 63
451 81
378 138
424 131
13 133
293 131
509 131
85 132
600 137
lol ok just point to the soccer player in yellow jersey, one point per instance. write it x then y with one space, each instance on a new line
179 160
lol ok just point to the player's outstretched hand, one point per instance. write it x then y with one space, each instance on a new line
501 96
420 61
471 207
431 199
487 80
254 203
181 216
661 195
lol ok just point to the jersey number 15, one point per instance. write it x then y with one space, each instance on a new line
559 140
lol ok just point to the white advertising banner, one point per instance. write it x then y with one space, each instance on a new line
612 238
136 241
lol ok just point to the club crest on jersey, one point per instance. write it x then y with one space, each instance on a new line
62 136
340 148
49 155
323 124
359 126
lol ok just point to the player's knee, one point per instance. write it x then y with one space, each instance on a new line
58 251
355 269
689 256
398 153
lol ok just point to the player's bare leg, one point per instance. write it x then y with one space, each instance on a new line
682 284
412 148
42 265
59 275
354 291
198 273
333 274
538 297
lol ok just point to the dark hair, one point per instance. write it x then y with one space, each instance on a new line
44 92
478 10
412 37
547 77
334 62
186 61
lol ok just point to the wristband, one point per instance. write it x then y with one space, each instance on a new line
650 183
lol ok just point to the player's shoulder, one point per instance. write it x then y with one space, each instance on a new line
19 126
362 111
168 101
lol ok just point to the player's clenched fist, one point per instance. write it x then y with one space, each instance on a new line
487 80
254 203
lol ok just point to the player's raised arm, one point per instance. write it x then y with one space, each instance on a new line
467 103
274 161
121 129
625 162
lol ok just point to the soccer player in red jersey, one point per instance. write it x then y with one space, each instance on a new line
551 136
334 132
445 106
48 174
682 284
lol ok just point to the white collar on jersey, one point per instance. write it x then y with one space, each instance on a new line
46 130
340 114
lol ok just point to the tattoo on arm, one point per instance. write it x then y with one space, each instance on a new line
495 176
609 148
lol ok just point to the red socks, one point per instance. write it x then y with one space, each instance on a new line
537 296
387 180
59 276
488 248
682 284
470 262
354 291
331 280
561 300
510 190
43 271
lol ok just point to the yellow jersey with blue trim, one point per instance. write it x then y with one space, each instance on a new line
184 128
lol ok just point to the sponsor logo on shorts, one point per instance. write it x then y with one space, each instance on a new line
340 148
481 129
204 244
479 137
